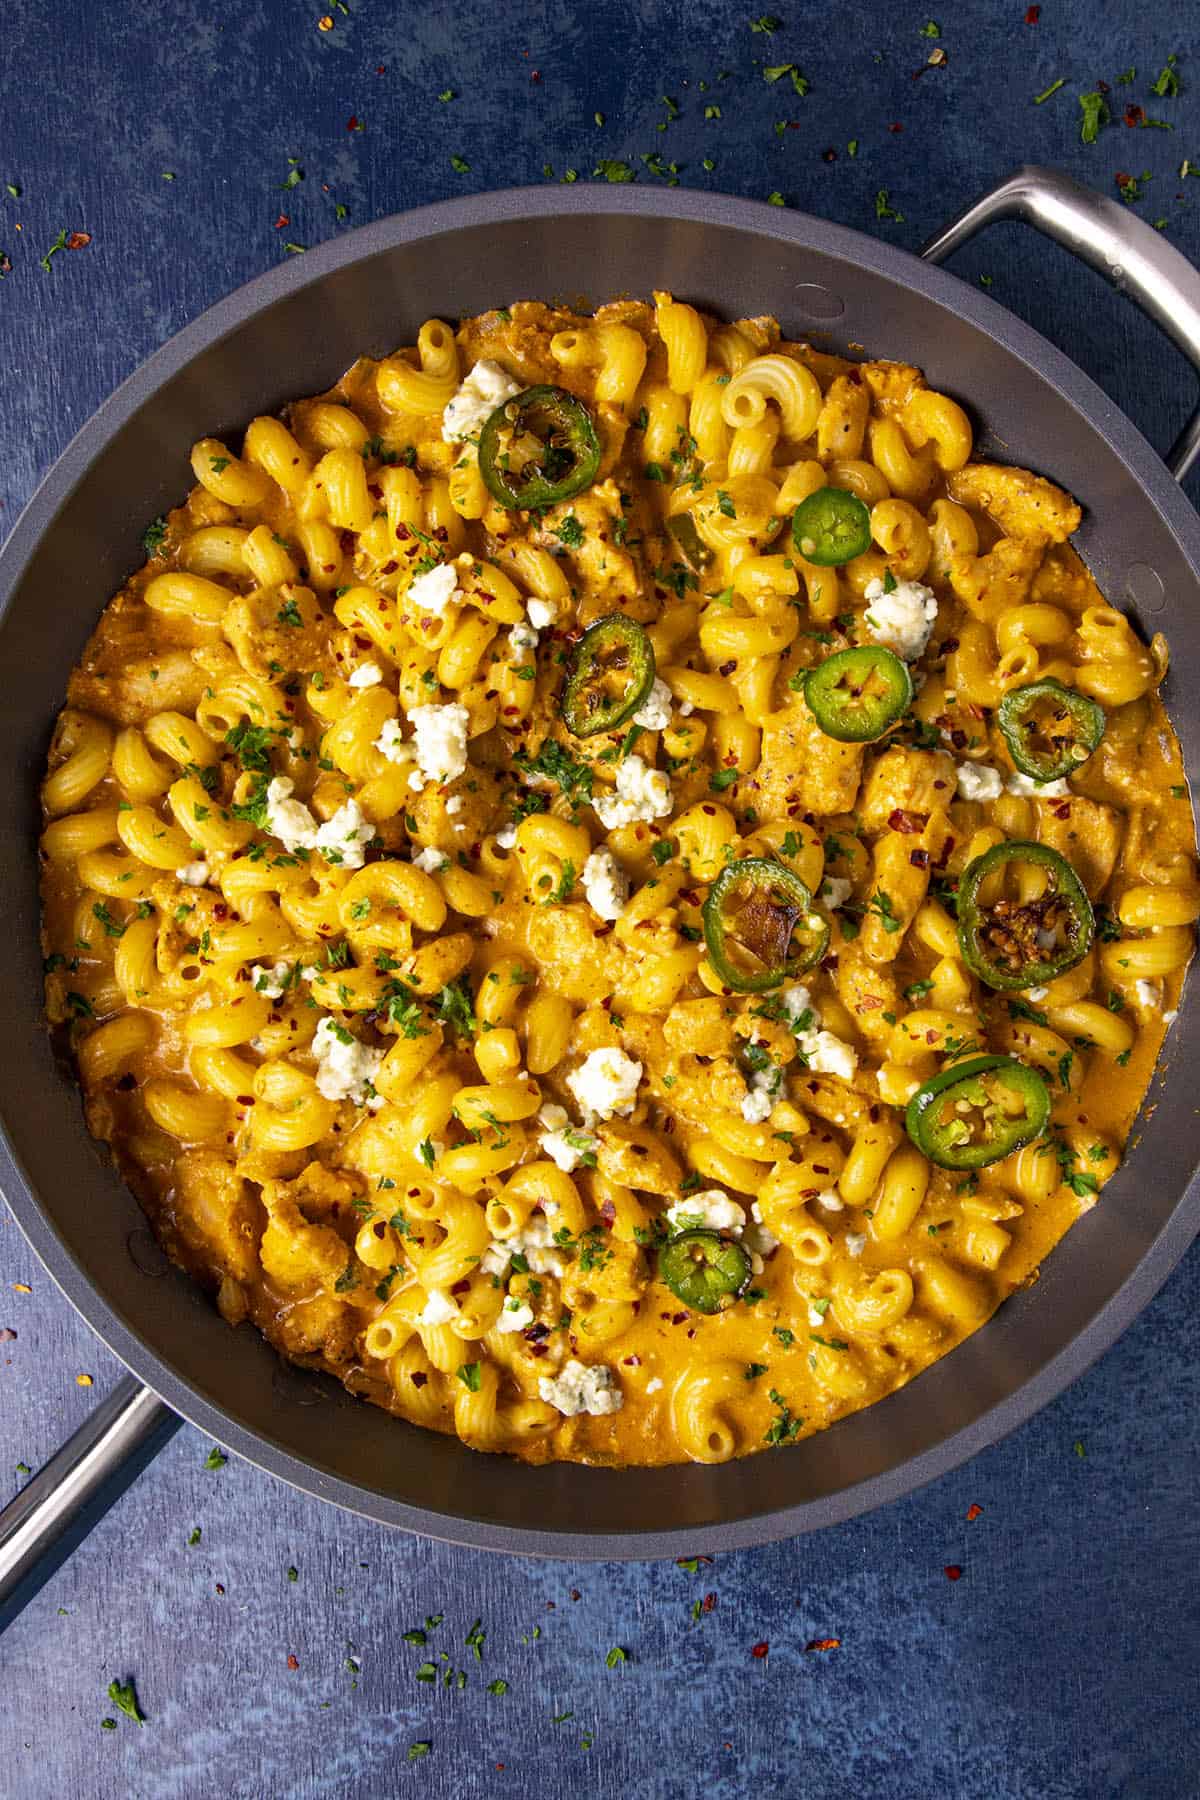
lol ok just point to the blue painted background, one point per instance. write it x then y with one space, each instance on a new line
1062 1662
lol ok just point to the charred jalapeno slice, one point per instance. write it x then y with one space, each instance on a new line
538 448
611 673
759 926
1026 937
830 527
703 1270
856 695
976 1112
696 552
1050 729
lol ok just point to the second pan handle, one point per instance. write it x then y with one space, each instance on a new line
1105 233
55 1510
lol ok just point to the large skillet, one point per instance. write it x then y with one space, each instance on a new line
291 333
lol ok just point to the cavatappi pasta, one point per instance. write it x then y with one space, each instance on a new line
510 978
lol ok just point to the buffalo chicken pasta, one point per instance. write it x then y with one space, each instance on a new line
612 888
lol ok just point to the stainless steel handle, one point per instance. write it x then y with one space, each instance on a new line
1135 258
56 1509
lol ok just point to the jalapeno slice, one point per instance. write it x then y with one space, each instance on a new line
703 1270
695 551
1050 729
611 673
538 448
759 926
830 527
856 695
976 1112
1027 938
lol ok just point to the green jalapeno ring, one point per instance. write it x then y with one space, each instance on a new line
614 645
778 903
1020 723
706 1272
568 449
938 1127
830 527
691 545
997 939
857 695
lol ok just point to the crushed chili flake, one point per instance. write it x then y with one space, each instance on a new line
709 1601
973 1512
325 22
282 220
220 1587
293 1662
760 1650
354 123
1134 115
1032 14
79 240
896 127
823 1644
952 1572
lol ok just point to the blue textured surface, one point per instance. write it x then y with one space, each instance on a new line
1062 1663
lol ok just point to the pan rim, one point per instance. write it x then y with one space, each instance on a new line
540 207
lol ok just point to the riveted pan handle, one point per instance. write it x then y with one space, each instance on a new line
58 1507
1135 258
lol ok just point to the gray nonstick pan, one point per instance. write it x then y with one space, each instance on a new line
292 332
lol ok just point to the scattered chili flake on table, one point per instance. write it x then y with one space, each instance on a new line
952 1572
973 1512
354 123
282 220
79 240
220 1587
1032 14
823 1644
760 1650
325 23
293 1662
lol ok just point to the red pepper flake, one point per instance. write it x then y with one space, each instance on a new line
79 240
709 1601
293 1662
952 1572
220 1587
1032 14
823 1644
1134 115
354 123
535 75
575 1594
973 1512
829 156
760 1650
908 824
896 128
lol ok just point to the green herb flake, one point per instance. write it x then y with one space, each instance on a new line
1041 99
124 1696
216 1459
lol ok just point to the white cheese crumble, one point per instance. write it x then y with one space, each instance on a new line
564 1143
506 837
643 794
472 406
495 1260
606 885
440 736
193 874
344 1066
979 781
762 1093
1028 789
824 1053
390 743
830 1200
757 1236
1169 1018
835 891
654 714
711 1210
653 1385
522 638
606 1082
433 591
855 1242
515 1315
535 1242
343 839
439 1309
271 983
287 819
1147 993
1036 994
366 675
902 619
430 861
542 613
580 1389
